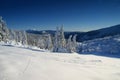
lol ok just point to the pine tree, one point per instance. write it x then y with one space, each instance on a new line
4 32
24 38
41 43
48 42
62 38
59 42
69 44
74 43
12 36
56 40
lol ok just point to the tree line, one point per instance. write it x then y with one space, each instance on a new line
56 43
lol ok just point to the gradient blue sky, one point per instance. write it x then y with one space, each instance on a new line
75 15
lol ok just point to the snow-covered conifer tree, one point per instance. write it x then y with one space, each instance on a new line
60 42
56 40
12 36
4 32
69 44
24 38
40 43
62 38
74 43
49 42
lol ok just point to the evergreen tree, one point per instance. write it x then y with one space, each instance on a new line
41 43
59 42
69 44
12 36
49 42
56 40
23 36
74 43
62 38
4 32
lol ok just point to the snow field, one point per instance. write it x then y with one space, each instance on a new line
25 64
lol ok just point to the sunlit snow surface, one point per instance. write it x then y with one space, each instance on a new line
102 46
25 64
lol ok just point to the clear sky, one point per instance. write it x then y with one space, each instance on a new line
75 15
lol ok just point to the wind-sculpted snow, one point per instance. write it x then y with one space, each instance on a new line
25 64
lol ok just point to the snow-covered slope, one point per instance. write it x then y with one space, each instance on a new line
24 64
103 46
101 33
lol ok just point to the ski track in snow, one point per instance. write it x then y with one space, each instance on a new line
24 64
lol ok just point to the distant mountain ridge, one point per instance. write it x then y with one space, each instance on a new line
84 36
100 33
52 32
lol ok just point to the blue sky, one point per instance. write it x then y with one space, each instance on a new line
75 15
